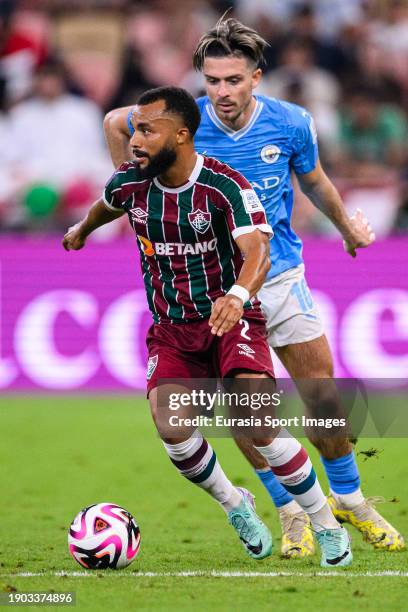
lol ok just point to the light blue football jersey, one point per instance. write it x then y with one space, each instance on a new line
280 137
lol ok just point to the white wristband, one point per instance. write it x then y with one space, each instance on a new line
239 292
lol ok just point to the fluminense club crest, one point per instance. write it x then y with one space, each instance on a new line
151 366
200 220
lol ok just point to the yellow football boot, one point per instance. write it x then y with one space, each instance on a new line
297 536
364 517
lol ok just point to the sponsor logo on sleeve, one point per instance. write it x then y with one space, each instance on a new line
251 201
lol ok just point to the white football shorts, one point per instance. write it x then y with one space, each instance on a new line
291 315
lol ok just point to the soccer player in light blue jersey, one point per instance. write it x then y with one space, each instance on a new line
266 139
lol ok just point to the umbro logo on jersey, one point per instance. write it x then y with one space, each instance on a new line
200 220
138 215
246 350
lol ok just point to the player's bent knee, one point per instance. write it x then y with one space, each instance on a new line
304 360
158 414
254 457
154 405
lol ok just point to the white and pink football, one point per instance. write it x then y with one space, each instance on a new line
104 536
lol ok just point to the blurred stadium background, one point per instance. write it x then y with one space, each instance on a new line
77 321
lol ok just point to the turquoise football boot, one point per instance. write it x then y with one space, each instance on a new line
254 535
335 547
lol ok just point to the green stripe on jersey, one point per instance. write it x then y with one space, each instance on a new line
232 191
224 247
155 202
195 263
116 181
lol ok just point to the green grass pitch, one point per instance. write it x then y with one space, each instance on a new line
61 453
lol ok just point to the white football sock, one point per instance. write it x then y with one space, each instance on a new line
323 519
349 500
292 507
195 459
293 469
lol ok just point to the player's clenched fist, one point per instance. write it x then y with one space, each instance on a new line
226 312
74 238
361 234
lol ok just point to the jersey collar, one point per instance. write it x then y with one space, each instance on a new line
191 180
234 134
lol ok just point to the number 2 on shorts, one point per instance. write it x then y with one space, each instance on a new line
244 329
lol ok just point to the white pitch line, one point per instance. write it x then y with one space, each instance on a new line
212 574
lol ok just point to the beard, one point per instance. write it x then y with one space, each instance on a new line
159 163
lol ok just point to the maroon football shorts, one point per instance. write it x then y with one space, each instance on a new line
190 350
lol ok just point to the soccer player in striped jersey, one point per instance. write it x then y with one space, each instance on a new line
203 240
266 139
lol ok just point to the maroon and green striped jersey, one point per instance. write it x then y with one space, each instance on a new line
186 235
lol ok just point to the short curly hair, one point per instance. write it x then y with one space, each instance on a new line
178 101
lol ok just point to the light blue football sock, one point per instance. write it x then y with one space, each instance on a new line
278 493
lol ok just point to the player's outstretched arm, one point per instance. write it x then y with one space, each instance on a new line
228 310
356 230
117 135
97 215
